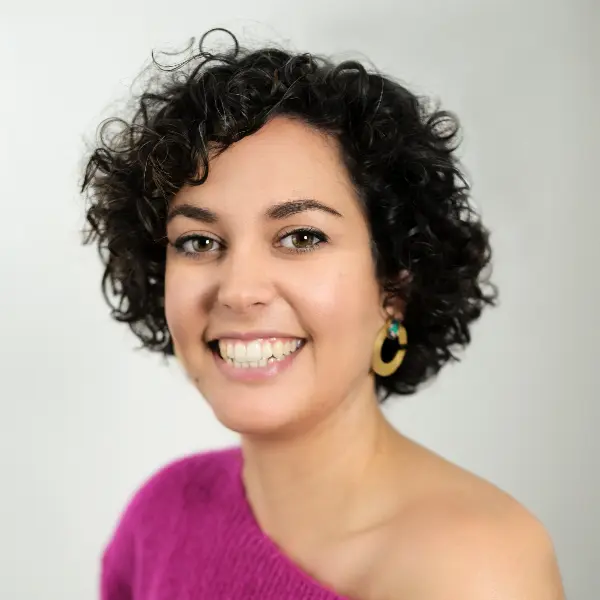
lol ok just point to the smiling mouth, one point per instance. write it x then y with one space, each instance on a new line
257 353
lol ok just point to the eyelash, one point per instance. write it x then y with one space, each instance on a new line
179 244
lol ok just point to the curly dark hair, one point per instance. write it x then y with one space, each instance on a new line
399 151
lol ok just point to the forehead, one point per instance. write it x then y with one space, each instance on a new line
285 159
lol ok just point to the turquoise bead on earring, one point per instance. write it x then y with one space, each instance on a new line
394 329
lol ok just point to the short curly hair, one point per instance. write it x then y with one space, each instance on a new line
399 151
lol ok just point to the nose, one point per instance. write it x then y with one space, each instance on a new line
245 282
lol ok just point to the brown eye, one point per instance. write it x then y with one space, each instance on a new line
196 244
202 244
302 240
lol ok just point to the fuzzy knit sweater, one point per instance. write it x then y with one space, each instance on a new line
190 534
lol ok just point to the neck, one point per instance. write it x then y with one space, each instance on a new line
328 482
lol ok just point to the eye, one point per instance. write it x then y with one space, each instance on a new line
195 244
302 240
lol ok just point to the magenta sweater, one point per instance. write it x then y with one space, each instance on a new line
189 534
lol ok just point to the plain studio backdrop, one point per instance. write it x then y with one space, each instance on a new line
84 418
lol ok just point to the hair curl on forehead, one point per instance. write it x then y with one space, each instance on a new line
399 150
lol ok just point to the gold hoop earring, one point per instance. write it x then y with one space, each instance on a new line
392 329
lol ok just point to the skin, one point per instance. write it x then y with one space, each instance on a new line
354 503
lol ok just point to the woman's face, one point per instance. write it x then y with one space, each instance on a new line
270 261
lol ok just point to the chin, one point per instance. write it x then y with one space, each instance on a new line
267 400
257 411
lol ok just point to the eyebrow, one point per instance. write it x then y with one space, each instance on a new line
193 212
277 212
293 207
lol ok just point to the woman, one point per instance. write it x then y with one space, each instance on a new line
299 235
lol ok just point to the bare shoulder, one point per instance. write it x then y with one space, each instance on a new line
462 537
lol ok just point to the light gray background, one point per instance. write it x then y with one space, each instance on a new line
84 418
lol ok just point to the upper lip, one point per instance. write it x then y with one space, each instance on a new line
251 335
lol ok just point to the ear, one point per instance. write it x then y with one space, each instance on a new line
393 306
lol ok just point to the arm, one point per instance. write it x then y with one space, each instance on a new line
506 556
115 576
116 569
511 559
525 567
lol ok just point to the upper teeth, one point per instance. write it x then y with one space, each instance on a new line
257 350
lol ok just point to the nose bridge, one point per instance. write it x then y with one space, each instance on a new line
245 279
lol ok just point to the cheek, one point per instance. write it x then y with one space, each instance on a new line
344 306
183 297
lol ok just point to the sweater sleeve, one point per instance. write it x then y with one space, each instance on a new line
116 568
146 527
114 583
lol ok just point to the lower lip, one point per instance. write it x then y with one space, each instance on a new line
256 373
